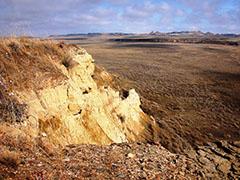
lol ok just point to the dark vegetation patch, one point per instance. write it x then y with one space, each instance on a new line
180 40
10 158
146 45
226 86
72 39
10 109
223 76
214 50
66 62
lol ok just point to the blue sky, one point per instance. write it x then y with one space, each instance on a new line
45 17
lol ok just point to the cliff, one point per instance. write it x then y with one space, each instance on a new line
55 94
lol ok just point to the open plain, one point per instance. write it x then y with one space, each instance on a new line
192 90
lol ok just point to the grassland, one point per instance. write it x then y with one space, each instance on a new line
192 90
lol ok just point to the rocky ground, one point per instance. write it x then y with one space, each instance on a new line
117 161
220 159
24 159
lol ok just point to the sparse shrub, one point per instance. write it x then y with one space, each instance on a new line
9 158
10 109
14 46
66 61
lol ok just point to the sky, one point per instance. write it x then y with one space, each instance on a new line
52 17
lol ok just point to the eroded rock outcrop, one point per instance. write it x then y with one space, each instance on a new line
72 108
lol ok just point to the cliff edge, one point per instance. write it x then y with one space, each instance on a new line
54 96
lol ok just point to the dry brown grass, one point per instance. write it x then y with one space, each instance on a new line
192 90
19 151
27 64
30 63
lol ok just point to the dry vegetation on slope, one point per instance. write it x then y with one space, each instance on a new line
25 64
30 63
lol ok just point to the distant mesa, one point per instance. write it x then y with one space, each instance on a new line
93 34
193 33
152 33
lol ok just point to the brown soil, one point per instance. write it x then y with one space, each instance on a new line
192 90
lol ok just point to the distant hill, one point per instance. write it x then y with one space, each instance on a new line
93 34
193 33
154 33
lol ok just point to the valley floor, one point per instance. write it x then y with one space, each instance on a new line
192 90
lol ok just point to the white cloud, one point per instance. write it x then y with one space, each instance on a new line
67 16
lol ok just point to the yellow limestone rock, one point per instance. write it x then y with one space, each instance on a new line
78 111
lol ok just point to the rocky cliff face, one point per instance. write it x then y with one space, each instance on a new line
72 108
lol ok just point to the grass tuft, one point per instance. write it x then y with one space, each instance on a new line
10 158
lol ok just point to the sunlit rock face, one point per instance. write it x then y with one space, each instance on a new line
78 110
